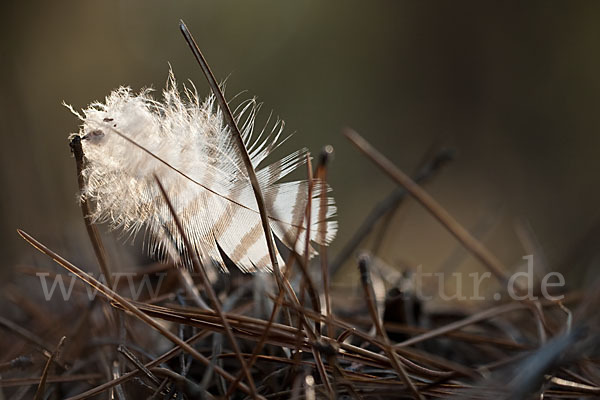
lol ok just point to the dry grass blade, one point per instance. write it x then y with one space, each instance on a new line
265 334
127 305
230 121
308 213
577 386
325 156
129 375
483 315
369 357
363 264
443 216
159 389
25 334
425 174
199 267
13 382
338 375
138 364
188 282
303 262
42 386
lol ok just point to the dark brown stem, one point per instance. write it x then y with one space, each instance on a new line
92 231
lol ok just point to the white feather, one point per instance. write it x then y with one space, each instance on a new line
200 167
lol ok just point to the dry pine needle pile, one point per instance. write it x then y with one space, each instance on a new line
240 304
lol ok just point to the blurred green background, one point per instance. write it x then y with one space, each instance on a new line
514 86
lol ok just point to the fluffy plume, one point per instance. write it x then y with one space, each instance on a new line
197 161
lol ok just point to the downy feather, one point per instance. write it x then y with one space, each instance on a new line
197 162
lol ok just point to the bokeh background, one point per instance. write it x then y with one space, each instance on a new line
514 86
